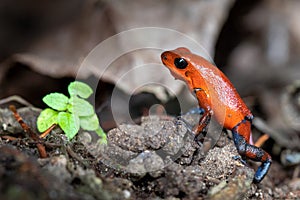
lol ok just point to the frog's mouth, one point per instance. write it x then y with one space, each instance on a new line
175 75
164 58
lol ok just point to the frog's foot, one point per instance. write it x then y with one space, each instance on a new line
181 121
198 138
254 153
238 157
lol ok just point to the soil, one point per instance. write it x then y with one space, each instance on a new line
158 159
255 43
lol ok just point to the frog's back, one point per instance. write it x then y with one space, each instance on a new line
227 105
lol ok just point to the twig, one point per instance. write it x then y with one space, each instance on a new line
17 99
31 134
44 134
276 135
7 137
261 140
74 155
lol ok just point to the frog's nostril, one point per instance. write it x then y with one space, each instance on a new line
164 57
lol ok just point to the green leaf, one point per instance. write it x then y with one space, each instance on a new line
89 123
102 134
47 118
79 88
80 107
56 101
69 123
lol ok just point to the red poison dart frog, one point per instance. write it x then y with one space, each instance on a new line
218 97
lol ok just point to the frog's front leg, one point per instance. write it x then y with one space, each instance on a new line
241 135
202 97
201 128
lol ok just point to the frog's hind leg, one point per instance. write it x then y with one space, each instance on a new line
241 136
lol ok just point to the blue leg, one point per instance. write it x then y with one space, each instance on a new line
250 151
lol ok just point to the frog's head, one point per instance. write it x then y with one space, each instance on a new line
178 62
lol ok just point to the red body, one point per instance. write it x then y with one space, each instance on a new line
218 97
218 93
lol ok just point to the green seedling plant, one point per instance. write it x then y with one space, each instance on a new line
71 113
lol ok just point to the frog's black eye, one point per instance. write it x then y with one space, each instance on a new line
180 63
